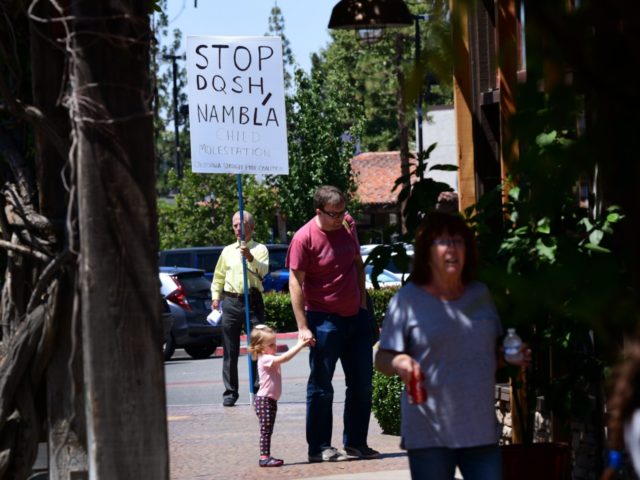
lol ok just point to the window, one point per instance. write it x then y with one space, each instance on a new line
277 259
208 261
177 260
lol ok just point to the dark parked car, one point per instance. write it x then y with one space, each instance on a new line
188 293
278 277
206 258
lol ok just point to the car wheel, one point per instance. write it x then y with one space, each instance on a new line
201 351
168 347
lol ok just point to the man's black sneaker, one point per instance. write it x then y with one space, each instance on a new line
229 401
365 453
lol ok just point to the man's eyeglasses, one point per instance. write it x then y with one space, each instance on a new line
448 242
334 215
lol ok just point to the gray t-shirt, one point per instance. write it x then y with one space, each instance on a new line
455 344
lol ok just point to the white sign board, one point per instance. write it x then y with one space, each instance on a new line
236 105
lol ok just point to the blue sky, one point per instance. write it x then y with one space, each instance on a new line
305 21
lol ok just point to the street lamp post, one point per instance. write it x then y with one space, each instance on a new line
176 117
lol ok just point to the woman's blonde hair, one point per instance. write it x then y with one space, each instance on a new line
259 334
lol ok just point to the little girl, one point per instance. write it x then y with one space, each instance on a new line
263 349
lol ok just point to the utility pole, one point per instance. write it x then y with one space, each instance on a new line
419 111
174 59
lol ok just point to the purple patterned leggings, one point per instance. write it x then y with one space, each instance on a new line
266 409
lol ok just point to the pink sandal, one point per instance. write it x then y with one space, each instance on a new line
271 462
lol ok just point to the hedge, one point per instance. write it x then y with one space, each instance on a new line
279 314
386 402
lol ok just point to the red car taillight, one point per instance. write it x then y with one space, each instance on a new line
178 297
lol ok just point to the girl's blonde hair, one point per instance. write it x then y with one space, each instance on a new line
259 334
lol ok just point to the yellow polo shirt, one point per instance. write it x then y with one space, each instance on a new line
228 273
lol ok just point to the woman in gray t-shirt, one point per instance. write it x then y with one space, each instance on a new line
443 327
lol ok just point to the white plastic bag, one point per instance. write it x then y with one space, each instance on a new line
214 317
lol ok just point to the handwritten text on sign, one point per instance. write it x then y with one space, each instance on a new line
236 105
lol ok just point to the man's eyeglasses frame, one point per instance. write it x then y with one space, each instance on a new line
334 215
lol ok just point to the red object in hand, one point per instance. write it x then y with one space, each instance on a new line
417 392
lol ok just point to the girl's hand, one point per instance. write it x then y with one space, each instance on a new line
305 335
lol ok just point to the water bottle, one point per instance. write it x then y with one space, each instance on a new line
511 345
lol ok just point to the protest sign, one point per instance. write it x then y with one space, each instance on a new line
236 105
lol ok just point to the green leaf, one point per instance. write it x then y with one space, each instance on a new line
614 217
586 222
444 167
545 251
545 139
595 237
596 248
544 226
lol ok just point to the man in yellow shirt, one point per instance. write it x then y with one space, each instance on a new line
228 286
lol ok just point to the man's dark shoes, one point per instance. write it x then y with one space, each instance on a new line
229 401
270 462
365 452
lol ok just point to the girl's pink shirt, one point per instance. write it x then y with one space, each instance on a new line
270 377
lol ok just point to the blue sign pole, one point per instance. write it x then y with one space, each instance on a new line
246 288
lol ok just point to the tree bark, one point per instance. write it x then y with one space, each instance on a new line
66 422
114 157
403 129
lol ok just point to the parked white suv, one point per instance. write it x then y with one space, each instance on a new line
394 265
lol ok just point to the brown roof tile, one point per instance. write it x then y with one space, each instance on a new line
375 173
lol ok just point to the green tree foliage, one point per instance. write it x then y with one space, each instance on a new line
276 28
204 208
167 44
549 266
320 146
368 75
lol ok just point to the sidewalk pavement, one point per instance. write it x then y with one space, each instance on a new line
208 442
213 442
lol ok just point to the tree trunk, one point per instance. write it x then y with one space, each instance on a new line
118 270
66 423
403 129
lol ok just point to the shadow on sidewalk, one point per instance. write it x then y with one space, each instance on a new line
213 442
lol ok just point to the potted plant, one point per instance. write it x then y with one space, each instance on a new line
553 278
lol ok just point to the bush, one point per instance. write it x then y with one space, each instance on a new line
279 314
381 299
386 402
